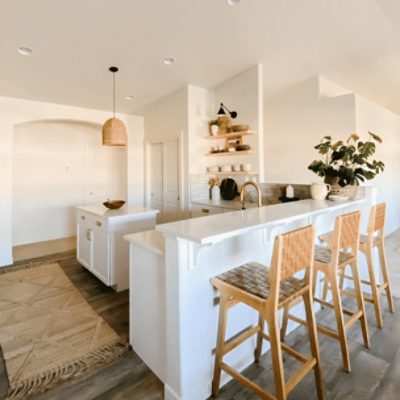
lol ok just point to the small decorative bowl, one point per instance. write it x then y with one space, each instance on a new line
114 204
240 128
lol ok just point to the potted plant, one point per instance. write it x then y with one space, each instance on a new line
346 165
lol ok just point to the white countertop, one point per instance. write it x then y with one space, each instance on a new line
150 240
125 210
210 229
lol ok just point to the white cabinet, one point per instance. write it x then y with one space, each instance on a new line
100 245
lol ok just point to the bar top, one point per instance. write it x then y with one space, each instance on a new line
152 241
214 228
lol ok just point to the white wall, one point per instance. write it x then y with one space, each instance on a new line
372 117
296 120
201 109
16 111
58 165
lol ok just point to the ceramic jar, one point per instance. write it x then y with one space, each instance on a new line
320 190
215 193
214 130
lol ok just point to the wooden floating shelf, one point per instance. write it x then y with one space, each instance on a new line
231 135
232 153
232 173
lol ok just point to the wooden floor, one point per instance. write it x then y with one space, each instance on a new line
375 376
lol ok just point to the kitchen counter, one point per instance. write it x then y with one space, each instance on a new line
175 307
214 228
99 240
126 209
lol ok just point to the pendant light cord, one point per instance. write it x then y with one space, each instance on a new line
113 94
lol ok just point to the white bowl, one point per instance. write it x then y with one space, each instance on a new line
213 168
246 167
236 167
225 168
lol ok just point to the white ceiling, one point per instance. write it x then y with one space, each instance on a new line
355 43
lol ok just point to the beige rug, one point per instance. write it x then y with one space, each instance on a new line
48 332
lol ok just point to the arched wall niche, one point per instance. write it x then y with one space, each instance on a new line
59 164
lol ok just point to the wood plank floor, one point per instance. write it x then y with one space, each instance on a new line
375 373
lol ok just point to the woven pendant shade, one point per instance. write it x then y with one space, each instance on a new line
114 133
114 130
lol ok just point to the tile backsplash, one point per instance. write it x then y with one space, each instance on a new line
199 188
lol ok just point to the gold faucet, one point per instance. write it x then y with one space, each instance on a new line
242 193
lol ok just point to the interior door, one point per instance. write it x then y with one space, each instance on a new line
156 160
170 181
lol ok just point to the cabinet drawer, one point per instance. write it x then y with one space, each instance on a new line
91 221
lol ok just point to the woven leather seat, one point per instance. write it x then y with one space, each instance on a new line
254 279
324 255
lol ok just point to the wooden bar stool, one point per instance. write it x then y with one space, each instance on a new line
266 291
332 261
374 238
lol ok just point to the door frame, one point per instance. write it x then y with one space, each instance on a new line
147 168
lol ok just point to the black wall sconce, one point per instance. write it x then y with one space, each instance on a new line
222 112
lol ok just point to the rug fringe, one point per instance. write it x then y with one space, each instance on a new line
31 264
42 382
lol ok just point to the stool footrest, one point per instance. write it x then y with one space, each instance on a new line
355 317
325 331
290 351
300 374
326 304
236 341
247 382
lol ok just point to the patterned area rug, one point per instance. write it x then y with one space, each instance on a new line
48 332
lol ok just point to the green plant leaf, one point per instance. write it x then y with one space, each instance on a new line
375 137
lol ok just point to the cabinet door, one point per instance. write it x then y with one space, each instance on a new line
84 248
101 255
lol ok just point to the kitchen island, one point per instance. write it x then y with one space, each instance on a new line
100 245
179 307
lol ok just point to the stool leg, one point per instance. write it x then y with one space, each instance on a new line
360 302
337 303
223 314
374 288
285 318
312 333
343 273
259 338
325 289
276 351
382 259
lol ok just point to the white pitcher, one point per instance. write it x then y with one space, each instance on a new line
320 190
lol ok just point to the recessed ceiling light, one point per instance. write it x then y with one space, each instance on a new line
129 97
234 2
169 60
24 51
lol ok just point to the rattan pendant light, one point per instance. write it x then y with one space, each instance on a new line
114 130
